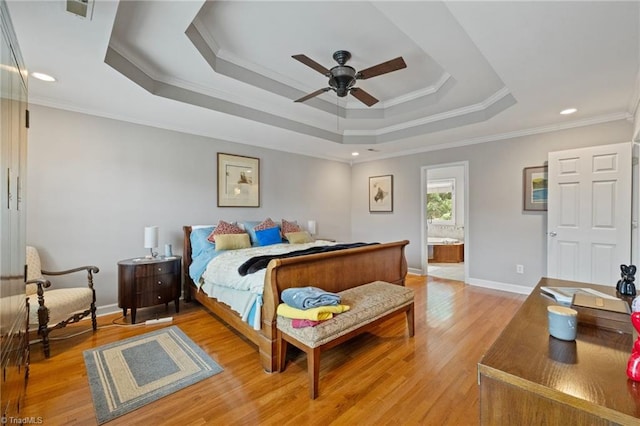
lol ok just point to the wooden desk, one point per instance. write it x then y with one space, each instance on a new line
529 377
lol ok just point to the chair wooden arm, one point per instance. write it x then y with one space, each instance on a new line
89 268
43 312
90 271
42 284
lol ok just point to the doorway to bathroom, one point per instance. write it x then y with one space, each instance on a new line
445 236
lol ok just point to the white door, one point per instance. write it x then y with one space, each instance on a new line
589 213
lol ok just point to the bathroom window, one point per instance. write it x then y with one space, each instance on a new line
441 201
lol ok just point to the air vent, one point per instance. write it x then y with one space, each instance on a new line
81 8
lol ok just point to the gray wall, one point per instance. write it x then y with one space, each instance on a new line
501 235
95 183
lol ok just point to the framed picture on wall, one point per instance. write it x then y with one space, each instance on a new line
238 181
381 193
535 190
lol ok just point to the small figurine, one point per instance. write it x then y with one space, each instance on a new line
625 285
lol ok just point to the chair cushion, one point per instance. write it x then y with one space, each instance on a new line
368 302
62 304
33 269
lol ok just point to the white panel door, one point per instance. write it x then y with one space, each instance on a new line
589 213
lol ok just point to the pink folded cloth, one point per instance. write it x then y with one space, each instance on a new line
301 323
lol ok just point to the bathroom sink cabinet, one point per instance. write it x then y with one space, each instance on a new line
448 253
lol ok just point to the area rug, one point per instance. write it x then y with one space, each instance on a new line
128 374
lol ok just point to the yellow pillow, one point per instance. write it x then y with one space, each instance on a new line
298 237
232 241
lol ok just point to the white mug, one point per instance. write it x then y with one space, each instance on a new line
563 322
167 250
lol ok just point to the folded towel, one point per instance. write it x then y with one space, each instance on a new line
302 323
316 314
309 297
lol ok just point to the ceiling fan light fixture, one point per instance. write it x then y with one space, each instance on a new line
342 77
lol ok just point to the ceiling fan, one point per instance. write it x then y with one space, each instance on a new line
342 77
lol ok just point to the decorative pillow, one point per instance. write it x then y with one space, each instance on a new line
248 227
268 236
252 227
265 224
298 237
199 239
224 228
288 227
232 241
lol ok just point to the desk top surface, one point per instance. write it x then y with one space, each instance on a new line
589 373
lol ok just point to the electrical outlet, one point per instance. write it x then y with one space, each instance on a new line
520 269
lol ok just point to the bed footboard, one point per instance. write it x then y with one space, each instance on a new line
334 272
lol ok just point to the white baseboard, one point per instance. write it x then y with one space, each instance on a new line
414 271
107 309
512 288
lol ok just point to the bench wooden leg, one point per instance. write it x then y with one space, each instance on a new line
411 320
313 370
282 353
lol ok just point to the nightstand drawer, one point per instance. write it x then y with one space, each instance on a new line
156 269
156 292
151 283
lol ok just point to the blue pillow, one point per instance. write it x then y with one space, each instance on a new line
248 226
199 242
269 236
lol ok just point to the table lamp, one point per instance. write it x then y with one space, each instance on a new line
311 226
151 239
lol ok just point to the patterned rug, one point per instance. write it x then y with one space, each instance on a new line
128 374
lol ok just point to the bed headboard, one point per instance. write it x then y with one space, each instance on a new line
186 261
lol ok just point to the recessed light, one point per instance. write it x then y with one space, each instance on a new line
355 154
43 77
568 111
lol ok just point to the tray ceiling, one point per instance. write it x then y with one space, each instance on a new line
475 71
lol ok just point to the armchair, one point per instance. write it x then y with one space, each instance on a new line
59 307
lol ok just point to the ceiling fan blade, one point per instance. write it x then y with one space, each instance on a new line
383 68
311 63
363 96
313 95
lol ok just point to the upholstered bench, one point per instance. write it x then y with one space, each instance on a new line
370 304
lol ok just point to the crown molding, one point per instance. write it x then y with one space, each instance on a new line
459 112
502 136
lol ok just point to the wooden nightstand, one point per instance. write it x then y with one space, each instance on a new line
146 282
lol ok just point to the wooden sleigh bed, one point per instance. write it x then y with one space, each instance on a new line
333 271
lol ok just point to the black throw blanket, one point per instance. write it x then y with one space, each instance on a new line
260 262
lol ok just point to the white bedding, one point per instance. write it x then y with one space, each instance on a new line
242 293
223 269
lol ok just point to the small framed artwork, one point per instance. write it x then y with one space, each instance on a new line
238 181
381 193
535 188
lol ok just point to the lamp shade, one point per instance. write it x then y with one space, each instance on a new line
311 226
150 237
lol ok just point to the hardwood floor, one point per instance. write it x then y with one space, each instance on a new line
383 377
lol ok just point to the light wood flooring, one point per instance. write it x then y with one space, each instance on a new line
379 378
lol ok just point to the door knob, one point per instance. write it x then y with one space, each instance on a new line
552 234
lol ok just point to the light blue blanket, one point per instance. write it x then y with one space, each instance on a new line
308 297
